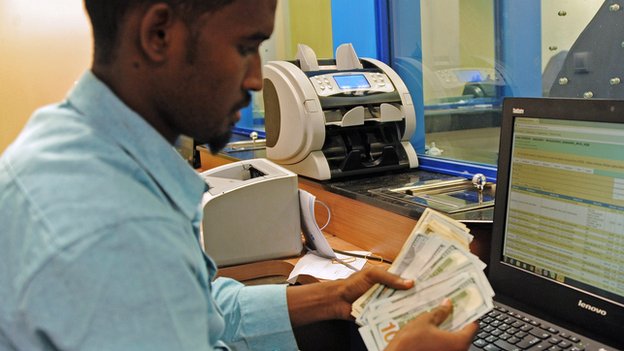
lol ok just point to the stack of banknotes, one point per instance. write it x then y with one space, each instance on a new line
436 256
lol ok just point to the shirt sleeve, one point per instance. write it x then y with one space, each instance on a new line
145 285
257 316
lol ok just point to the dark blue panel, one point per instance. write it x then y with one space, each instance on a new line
456 168
406 58
246 131
518 49
383 30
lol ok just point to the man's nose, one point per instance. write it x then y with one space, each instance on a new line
253 78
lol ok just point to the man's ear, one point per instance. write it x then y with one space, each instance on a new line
156 31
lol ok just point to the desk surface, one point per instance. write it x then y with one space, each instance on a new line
278 270
355 225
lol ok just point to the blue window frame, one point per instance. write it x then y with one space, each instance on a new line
399 42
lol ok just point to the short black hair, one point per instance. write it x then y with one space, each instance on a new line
107 15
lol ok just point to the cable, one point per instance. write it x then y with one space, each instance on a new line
346 253
368 257
328 213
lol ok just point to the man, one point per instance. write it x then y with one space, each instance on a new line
98 248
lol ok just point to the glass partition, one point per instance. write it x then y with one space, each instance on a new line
461 58
461 105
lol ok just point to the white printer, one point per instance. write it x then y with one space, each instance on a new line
335 118
251 213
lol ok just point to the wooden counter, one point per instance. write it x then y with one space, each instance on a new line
354 225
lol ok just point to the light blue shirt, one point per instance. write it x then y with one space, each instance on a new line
99 220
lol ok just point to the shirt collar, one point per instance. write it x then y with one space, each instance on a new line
102 108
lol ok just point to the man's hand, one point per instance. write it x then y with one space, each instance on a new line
423 333
357 284
332 300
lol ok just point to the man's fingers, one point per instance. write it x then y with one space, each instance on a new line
378 275
462 338
468 331
441 313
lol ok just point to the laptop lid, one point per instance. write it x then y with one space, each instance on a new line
558 233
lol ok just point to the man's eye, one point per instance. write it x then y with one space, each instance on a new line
247 50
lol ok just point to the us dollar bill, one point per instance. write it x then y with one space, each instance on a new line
469 303
436 256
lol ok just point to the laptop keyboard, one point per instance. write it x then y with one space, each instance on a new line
502 329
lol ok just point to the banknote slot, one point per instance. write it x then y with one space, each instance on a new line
449 196
433 185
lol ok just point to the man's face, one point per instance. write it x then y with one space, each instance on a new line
215 69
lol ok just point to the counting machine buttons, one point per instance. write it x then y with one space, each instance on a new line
379 79
324 83
329 85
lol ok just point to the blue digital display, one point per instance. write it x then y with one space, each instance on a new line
352 81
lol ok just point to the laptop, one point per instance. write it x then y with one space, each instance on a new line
557 255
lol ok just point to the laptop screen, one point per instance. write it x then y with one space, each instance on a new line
565 213
558 243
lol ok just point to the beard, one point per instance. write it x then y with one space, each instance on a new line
218 142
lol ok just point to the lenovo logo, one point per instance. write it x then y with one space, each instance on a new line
589 307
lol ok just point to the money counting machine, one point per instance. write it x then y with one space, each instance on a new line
340 117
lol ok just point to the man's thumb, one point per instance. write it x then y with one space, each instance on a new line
442 312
